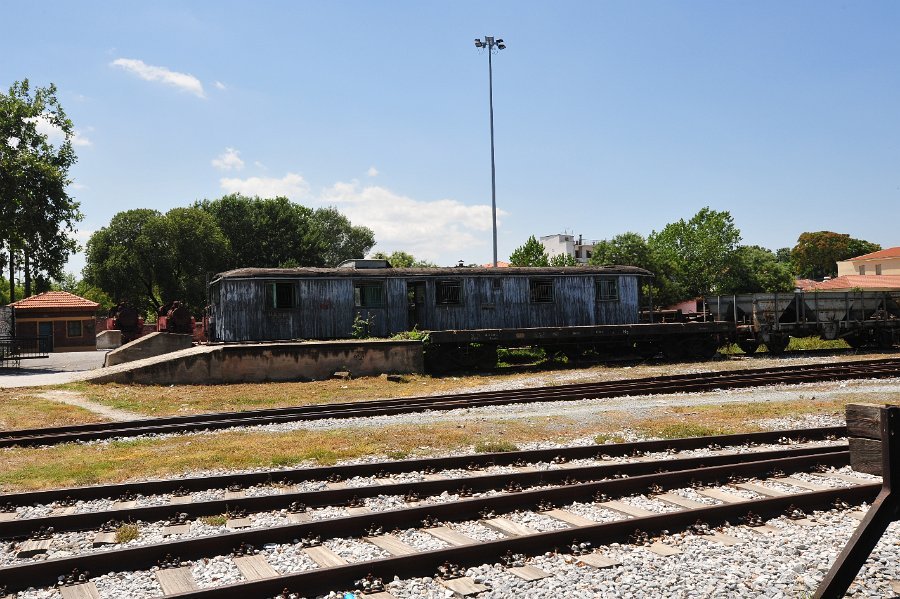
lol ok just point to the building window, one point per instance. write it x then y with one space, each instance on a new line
877 269
862 269
368 295
73 328
449 293
607 290
279 296
541 291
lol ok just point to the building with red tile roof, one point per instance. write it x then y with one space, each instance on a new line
881 263
64 320
853 282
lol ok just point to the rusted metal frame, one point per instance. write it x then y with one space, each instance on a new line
884 510
320 581
398 466
43 573
85 521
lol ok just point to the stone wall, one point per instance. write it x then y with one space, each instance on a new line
262 362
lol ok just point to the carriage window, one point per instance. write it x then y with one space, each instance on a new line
541 291
449 293
368 295
279 296
607 290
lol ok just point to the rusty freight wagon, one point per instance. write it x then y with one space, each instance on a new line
468 312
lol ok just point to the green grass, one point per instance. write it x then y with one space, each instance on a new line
495 447
127 532
521 355
796 343
608 438
219 520
679 430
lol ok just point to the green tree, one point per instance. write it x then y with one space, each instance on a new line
695 254
37 215
530 254
755 269
400 259
816 254
626 249
276 232
151 259
563 260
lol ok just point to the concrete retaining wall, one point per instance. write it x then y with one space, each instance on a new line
109 339
154 344
253 363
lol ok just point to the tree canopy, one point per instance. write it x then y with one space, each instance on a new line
530 254
151 259
755 269
816 254
276 232
37 215
400 259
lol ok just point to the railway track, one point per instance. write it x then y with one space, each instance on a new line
655 385
413 526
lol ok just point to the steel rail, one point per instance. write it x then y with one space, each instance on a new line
46 572
426 563
418 464
656 385
334 497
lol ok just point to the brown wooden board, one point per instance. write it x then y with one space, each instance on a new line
465 586
626 508
849 478
179 499
85 590
299 518
528 573
449 535
663 549
234 523
254 567
325 557
7 516
803 484
864 420
235 495
680 501
176 529
104 538
509 528
569 517
598 561
392 545
724 539
865 455
723 495
176 580
124 505
33 547
761 489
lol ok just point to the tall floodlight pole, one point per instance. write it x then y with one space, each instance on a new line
492 46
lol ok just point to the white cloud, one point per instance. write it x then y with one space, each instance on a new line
228 160
426 229
183 81
220 85
55 135
259 164
372 172
291 186
77 186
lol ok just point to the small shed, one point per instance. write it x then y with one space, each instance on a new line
63 320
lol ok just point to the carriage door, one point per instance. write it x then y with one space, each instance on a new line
415 301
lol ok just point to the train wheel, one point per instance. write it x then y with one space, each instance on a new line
777 343
748 346
856 340
646 349
884 339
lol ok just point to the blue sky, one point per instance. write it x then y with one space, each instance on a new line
609 116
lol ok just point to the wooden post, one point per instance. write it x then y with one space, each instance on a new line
861 420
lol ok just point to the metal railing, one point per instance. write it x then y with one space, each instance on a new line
15 349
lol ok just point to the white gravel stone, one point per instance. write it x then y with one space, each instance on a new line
215 571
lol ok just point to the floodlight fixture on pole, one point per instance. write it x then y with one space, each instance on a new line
493 46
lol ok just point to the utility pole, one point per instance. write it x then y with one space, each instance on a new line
492 46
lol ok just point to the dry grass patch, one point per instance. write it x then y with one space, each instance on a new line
21 408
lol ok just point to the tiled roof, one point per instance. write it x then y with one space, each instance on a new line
55 299
500 264
879 255
848 282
